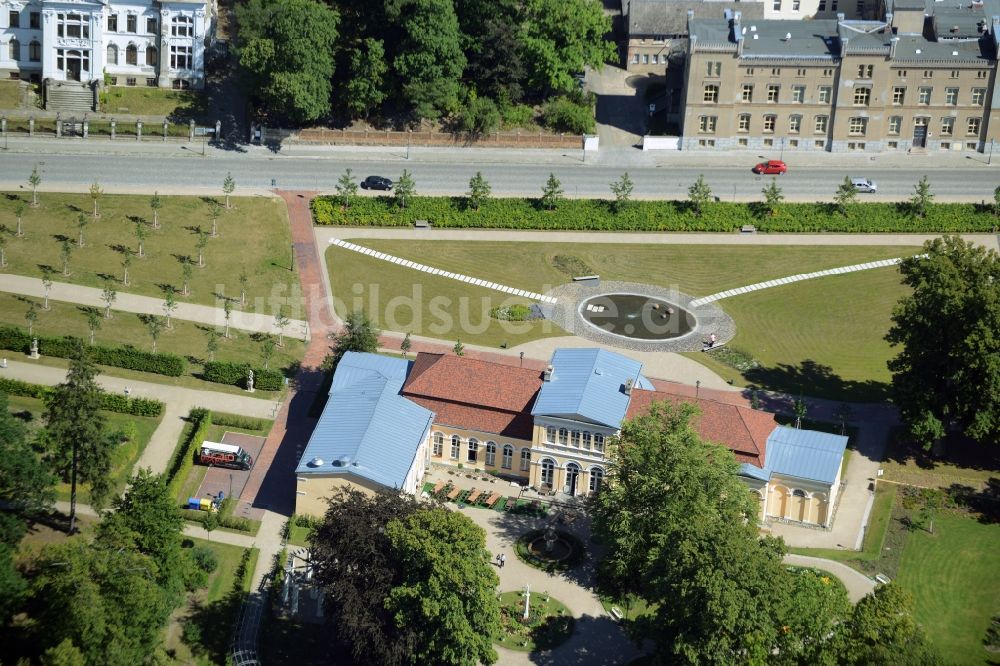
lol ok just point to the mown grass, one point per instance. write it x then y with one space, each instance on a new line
253 236
821 337
144 101
123 458
10 94
952 575
874 542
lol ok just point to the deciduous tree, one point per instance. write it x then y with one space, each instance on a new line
140 236
406 189
93 322
65 252
155 203
46 286
346 188
267 346
200 244
19 208
459 348
34 180
922 198
154 325
3 247
127 255
27 486
281 322
227 310
563 36
243 280
945 376
169 304
186 270
211 343
845 196
359 335
882 630
479 190
81 224
75 428
446 587
622 189
287 48
108 295
228 187
429 60
31 316
95 195
700 195
405 345
366 87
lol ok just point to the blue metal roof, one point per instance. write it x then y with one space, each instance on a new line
754 472
805 454
588 384
367 428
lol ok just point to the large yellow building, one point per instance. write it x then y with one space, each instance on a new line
387 420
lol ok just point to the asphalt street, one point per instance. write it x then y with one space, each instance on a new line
173 167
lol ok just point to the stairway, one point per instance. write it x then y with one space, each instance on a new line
69 96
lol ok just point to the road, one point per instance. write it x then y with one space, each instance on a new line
176 168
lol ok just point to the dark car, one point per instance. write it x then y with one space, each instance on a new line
771 167
376 183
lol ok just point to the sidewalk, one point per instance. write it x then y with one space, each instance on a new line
125 302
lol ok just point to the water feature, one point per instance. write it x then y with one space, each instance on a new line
637 316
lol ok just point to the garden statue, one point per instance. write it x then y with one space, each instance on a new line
34 348
550 537
250 381
527 601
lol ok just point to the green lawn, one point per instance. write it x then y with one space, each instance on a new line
143 101
125 455
972 466
186 339
952 575
253 236
298 535
10 94
817 336
550 623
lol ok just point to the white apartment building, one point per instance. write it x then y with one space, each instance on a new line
156 43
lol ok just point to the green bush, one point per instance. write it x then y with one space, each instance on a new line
238 421
562 114
597 215
235 374
479 116
205 558
111 402
229 522
518 115
191 633
516 312
199 420
131 358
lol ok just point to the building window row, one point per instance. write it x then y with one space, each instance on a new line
34 19
73 25
472 446
646 59
578 439
771 121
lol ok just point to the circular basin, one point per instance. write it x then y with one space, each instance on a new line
637 316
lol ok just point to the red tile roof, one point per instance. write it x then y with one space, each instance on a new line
741 429
475 395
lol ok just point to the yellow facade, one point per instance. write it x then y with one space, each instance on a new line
312 492
561 463
472 449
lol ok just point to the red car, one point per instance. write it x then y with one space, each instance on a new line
771 167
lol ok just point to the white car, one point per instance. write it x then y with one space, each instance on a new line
864 185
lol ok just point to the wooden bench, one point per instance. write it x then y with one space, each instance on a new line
473 496
493 499
438 488
511 503
454 493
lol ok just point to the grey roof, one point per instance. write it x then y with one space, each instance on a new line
367 429
588 384
669 17
784 38
959 22
805 454
914 48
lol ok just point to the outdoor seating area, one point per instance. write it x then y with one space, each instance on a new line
486 499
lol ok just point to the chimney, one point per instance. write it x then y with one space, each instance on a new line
547 374
629 383
892 47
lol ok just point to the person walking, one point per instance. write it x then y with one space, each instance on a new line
503 560
497 560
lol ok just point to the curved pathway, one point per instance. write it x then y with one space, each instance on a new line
857 584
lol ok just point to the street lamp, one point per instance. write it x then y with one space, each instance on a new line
782 155
409 138
522 359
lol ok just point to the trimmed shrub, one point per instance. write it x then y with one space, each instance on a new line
131 358
111 402
237 421
479 116
516 312
518 115
235 374
205 558
200 419
229 522
562 114
642 215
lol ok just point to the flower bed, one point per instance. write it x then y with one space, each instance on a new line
549 622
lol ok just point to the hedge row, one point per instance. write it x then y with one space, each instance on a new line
130 358
235 374
111 402
200 419
229 522
598 215
238 421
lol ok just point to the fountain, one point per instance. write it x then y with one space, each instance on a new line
637 316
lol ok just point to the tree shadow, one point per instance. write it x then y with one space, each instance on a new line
136 219
193 228
596 641
74 208
119 248
984 503
964 454
13 197
61 237
210 200
813 379
107 276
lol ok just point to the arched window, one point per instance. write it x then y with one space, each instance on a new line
563 436
473 449
798 493
572 478
596 479
456 445
15 49
131 55
491 453
112 54
35 51
438 444
152 56
548 472
525 459
508 456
